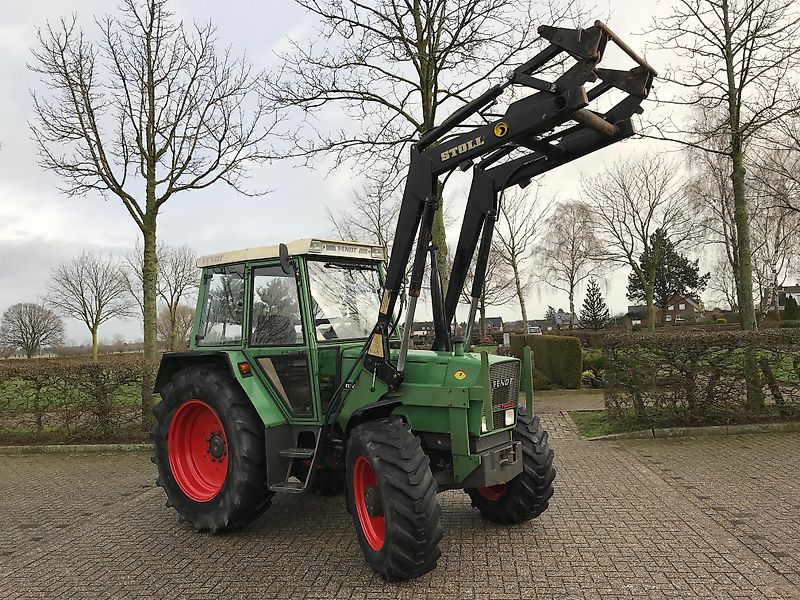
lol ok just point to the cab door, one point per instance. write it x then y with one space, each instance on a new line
277 343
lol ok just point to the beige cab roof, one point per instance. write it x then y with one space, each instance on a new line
319 246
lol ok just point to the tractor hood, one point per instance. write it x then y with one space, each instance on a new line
436 368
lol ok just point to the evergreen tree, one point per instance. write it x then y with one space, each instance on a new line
594 313
791 310
550 315
676 275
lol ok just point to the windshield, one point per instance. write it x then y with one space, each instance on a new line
345 298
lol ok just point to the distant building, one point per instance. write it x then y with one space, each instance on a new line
787 291
493 325
678 310
681 310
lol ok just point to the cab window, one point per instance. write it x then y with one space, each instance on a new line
275 311
221 317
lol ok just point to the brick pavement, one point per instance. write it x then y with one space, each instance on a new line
688 518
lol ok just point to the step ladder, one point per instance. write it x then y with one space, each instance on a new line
293 454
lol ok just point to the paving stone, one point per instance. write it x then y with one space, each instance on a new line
656 519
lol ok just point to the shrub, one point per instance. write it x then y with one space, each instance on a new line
540 380
722 321
791 311
789 324
699 378
593 359
559 358
70 399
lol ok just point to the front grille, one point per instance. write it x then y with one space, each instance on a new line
505 390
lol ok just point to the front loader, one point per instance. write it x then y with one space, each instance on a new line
291 386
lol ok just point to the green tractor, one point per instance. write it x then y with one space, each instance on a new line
290 385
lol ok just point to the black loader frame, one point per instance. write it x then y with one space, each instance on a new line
535 126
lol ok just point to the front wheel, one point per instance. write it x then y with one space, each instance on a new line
209 449
391 494
528 494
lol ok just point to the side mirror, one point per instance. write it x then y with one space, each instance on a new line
286 261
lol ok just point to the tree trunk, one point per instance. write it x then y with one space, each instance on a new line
149 275
520 293
94 343
572 307
439 238
651 308
173 328
483 316
747 313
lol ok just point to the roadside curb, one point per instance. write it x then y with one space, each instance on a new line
712 430
75 448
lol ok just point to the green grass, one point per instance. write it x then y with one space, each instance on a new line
487 349
594 423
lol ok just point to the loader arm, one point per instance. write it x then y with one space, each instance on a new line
549 127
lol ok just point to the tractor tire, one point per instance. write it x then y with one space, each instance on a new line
528 494
209 450
391 495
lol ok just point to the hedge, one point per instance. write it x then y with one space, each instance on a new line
70 400
700 378
557 357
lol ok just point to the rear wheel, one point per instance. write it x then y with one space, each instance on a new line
528 494
391 494
209 449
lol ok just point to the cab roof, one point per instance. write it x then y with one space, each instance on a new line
323 247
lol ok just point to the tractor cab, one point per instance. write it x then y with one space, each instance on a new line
291 318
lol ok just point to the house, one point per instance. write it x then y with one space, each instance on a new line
543 324
681 310
786 291
562 319
493 325
678 310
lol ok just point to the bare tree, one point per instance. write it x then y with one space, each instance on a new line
178 281
775 229
89 288
735 58
391 65
372 215
175 326
498 288
722 283
628 202
569 252
31 327
515 237
132 269
148 112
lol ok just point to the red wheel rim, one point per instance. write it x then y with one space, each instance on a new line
374 528
198 450
493 492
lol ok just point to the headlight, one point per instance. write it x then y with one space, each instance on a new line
509 417
484 428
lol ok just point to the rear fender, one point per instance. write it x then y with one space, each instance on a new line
258 395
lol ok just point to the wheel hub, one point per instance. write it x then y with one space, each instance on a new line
216 446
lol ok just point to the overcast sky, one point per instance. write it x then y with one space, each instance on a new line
39 227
